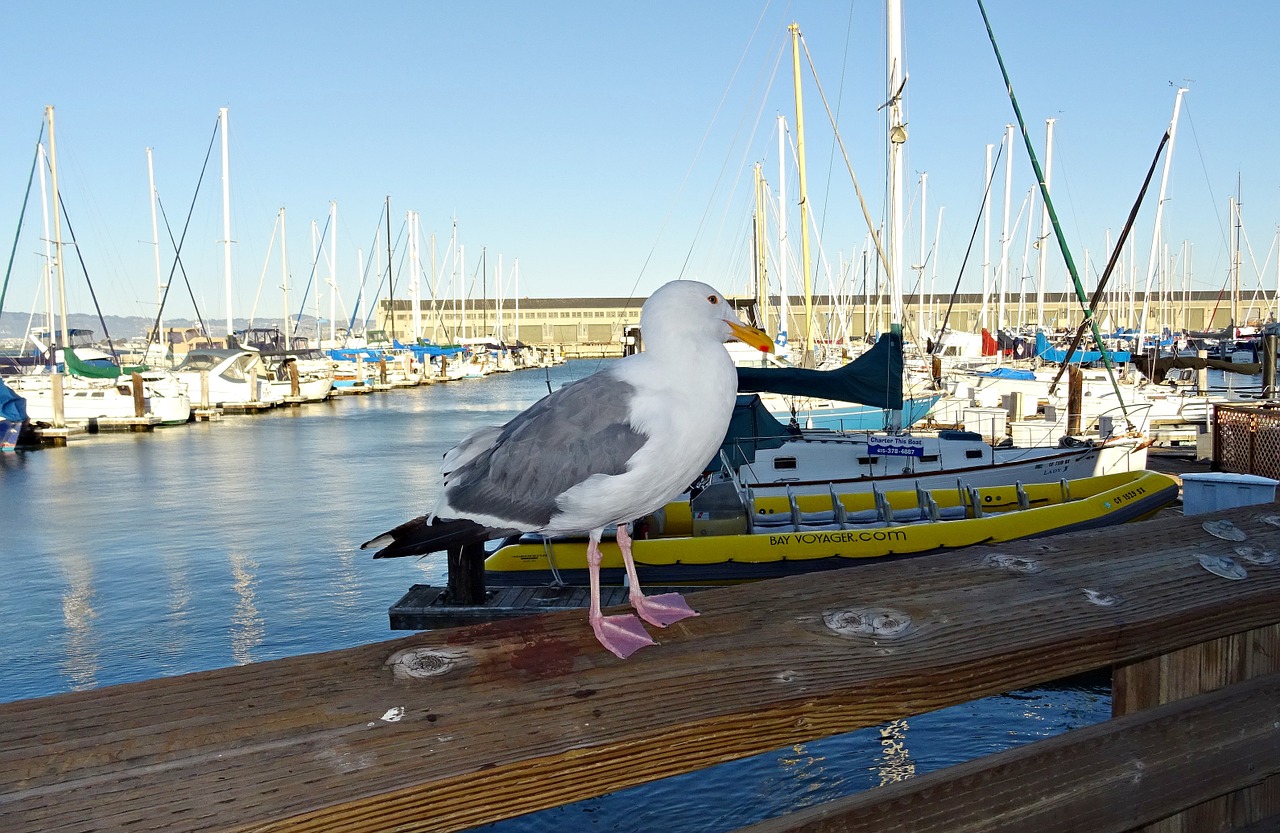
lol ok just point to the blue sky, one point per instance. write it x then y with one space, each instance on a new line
609 146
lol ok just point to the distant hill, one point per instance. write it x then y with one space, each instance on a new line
14 325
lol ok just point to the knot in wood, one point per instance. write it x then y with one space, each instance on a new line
1012 563
420 663
1100 598
873 622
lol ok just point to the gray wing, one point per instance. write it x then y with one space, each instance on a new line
581 429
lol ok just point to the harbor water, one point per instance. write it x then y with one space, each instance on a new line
133 556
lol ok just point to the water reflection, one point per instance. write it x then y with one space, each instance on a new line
246 622
80 665
896 763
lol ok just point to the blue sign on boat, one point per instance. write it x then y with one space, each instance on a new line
896 446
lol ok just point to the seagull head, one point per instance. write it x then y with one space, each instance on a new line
679 311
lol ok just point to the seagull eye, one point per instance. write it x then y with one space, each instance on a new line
711 299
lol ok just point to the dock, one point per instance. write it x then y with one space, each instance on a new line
426 606
450 729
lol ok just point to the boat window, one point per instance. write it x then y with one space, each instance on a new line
929 458
784 462
868 461
973 453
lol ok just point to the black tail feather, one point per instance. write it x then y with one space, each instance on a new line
420 537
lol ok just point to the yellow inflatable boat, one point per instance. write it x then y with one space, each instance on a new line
723 535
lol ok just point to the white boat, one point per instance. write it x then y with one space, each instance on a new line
236 377
770 458
84 399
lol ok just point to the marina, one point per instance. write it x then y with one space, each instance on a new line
425 553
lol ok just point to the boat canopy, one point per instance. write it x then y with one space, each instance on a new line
1058 355
78 367
751 428
1010 373
874 378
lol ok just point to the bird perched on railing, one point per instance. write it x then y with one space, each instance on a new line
599 452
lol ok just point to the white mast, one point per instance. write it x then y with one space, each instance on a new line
897 139
415 269
986 238
161 341
462 285
921 303
226 217
284 280
315 270
1001 315
48 256
1155 233
360 297
497 296
515 268
333 276
1043 242
57 235
784 311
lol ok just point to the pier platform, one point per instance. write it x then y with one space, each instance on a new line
452 729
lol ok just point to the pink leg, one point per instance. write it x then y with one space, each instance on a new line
624 634
660 610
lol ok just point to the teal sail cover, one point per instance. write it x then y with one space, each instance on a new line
874 378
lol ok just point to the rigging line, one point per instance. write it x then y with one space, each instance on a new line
831 158
4 289
80 257
1053 219
866 212
1100 289
178 247
937 344
177 265
689 171
315 262
721 175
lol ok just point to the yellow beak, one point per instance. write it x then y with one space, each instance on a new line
758 339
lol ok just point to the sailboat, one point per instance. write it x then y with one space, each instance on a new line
815 409
94 389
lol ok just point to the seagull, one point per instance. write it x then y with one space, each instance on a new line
599 452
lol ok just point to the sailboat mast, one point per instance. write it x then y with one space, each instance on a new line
57 233
1002 319
284 280
897 173
757 253
333 273
1042 244
391 279
226 216
807 355
921 303
48 258
784 308
161 342
1155 231
986 244
415 268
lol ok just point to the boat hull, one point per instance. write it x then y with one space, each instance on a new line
788 550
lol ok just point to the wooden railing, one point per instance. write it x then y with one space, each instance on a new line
451 729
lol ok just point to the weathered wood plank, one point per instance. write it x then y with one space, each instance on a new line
1107 778
531 713
1193 670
